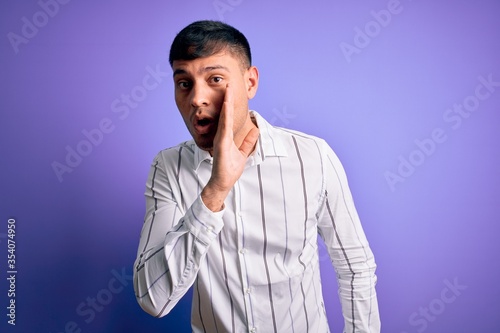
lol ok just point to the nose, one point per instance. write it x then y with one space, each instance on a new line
200 95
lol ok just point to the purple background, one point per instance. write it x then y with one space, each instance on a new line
75 233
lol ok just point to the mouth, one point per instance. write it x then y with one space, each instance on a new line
204 125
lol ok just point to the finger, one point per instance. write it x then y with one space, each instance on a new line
248 143
227 112
224 126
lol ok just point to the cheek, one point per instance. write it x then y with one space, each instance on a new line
178 99
218 99
182 103
181 107
218 93
241 99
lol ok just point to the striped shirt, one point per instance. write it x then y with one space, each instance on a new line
254 265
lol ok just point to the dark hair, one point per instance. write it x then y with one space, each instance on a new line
205 38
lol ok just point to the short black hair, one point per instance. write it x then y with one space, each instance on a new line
205 38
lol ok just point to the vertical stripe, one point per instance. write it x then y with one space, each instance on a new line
348 264
355 229
199 304
261 148
252 319
286 241
306 213
286 230
224 269
163 309
214 317
153 194
264 252
316 292
177 177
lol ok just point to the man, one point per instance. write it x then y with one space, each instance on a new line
236 211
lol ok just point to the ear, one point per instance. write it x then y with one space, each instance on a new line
252 81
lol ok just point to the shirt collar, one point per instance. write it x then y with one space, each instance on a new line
269 144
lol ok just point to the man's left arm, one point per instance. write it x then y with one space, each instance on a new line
352 258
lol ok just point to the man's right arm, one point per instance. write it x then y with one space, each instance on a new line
172 245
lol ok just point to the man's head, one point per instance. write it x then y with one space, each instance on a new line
207 57
205 38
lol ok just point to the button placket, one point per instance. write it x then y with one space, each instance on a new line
242 252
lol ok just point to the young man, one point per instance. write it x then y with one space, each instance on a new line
236 211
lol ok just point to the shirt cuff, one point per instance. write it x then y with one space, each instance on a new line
202 222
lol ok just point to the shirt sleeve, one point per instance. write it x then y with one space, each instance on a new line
350 253
173 244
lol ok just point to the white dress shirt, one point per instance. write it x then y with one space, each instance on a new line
254 265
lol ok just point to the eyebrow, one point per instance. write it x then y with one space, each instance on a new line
202 70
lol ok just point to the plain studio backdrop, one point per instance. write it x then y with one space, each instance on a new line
406 92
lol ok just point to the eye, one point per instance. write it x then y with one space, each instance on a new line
184 84
216 79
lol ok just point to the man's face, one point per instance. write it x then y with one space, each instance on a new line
200 86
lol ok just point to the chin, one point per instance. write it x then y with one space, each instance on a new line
205 145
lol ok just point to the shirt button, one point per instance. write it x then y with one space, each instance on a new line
243 251
209 229
248 291
253 330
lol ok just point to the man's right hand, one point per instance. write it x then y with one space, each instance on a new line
228 158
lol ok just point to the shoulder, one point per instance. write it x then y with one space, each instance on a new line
280 141
298 135
297 139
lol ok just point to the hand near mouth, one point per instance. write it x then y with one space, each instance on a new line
229 155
